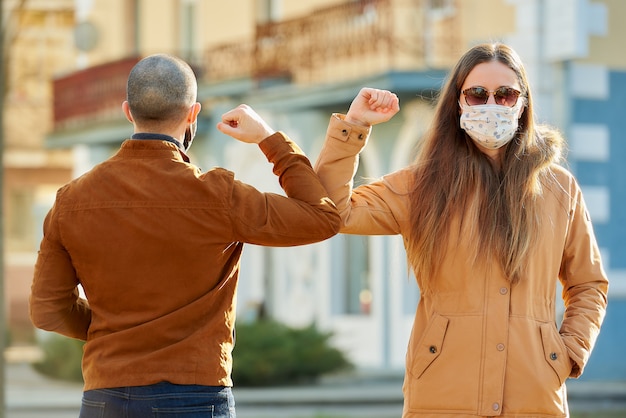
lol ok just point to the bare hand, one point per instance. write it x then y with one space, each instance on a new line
373 106
245 125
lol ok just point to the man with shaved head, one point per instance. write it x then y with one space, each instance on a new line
156 244
160 91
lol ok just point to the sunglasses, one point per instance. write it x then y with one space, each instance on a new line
504 96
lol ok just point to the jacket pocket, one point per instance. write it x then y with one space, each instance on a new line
429 346
555 352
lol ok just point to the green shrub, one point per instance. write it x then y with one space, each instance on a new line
270 353
62 358
266 353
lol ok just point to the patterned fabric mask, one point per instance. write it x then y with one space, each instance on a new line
491 126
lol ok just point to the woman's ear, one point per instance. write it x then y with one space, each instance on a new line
522 108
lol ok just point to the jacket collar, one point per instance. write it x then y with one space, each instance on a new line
161 137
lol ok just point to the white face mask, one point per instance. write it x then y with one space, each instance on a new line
490 125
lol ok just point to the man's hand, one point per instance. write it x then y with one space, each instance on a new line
373 106
245 125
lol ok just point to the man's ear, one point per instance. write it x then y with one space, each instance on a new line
126 110
193 112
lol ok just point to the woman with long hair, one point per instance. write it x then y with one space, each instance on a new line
491 223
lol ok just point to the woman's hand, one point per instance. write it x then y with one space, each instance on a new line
372 106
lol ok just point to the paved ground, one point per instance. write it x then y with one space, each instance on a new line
30 395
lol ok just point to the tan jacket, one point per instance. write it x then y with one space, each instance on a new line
156 245
479 346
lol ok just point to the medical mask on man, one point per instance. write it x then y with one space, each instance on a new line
190 134
490 125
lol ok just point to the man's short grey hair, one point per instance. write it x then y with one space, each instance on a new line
161 88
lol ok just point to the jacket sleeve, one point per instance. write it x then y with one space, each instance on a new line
306 215
377 208
55 303
585 284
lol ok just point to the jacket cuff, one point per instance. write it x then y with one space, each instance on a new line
347 132
274 143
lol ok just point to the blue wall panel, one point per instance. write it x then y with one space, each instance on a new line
612 113
592 173
607 359
607 362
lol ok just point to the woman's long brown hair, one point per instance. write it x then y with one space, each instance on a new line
455 181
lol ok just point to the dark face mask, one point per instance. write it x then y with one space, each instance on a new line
190 134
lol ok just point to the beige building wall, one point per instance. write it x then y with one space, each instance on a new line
159 24
113 24
289 9
39 45
609 50
485 21
225 22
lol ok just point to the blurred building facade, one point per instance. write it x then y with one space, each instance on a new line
297 62
38 36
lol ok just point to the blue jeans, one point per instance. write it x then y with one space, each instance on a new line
159 400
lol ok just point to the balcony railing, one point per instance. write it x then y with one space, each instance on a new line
343 41
95 93
351 40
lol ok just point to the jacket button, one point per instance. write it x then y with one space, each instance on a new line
433 349
344 132
361 136
500 347
553 356
495 406
504 290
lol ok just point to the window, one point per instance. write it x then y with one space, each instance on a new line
441 8
268 10
351 290
187 30
19 219
351 285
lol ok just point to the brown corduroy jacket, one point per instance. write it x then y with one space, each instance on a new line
156 245
481 347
